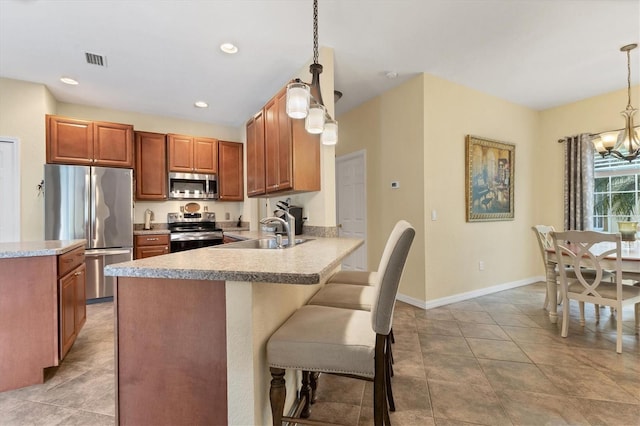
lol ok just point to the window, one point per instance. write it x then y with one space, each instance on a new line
616 193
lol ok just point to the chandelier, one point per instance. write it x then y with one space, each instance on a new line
305 100
627 145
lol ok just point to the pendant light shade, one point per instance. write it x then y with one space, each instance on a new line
627 144
628 141
330 134
314 122
298 95
305 100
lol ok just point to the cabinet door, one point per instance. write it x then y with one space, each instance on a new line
81 297
230 179
180 153
69 141
205 155
151 166
67 310
255 156
271 140
150 251
112 144
285 163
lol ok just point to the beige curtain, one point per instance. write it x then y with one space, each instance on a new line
578 182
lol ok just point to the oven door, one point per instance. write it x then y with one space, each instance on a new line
193 244
181 241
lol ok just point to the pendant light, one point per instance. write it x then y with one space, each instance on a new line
627 144
305 100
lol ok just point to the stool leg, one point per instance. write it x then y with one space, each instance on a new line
277 395
305 395
314 386
379 399
388 374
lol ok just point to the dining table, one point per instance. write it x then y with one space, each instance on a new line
630 265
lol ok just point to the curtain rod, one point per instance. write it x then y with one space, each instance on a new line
596 134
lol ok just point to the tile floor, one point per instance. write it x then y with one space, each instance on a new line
492 360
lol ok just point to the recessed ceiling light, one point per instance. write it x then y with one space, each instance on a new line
69 80
229 48
391 74
201 104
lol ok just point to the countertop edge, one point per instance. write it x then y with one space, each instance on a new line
30 249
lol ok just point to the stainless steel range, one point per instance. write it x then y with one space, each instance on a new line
193 230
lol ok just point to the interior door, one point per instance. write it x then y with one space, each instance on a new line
352 205
10 190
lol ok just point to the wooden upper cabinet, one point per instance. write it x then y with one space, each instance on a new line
112 144
95 143
192 155
151 166
255 156
230 177
205 155
69 141
291 154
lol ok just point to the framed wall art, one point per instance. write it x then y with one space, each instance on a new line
489 179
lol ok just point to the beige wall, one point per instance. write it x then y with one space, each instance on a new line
23 106
593 115
390 129
454 247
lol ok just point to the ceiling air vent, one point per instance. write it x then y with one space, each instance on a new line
95 59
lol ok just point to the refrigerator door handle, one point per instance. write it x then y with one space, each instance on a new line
92 199
102 252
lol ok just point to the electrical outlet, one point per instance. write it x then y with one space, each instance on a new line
481 265
227 216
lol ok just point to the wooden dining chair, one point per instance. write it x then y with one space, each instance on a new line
344 342
575 249
545 242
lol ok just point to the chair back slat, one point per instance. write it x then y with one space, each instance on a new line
389 274
575 249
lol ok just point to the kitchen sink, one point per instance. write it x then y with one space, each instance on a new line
262 243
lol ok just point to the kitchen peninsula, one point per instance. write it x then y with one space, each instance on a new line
42 307
192 327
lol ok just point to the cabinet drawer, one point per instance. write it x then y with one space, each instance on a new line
70 260
152 240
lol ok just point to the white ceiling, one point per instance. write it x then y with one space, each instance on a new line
164 55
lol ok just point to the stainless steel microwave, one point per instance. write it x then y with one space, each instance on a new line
189 186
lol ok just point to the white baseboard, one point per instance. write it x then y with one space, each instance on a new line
466 296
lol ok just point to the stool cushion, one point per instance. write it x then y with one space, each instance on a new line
346 296
325 339
354 277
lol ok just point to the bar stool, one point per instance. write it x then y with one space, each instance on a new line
340 341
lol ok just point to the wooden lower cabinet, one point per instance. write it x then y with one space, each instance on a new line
73 312
72 301
150 245
171 356
42 309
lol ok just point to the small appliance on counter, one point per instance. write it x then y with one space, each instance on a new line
294 211
148 215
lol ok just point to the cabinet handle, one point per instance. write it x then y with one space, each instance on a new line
152 239
78 273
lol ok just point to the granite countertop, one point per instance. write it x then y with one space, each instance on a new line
306 263
38 248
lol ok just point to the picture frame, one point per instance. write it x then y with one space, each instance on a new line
489 179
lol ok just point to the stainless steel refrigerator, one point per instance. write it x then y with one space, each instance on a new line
96 204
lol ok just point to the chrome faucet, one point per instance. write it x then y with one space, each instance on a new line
289 226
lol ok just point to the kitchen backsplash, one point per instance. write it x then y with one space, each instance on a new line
160 210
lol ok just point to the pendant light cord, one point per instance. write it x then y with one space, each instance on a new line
315 33
629 79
